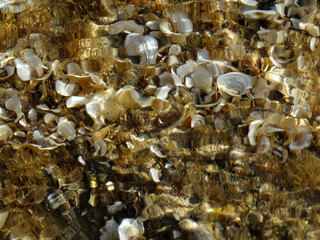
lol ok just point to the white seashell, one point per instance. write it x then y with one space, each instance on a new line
301 138
76 101
144 46
66 129
3 218
166 28
153 24
264 145
162 92
100 147
272 36
24 71
19 134
260 14
74 69
280 9
14 104
182 24
234 83
110 186
173 60
32 115
9 70
23 122
202 79
253 127
187 68
128 97
116 207
165 78
49 119
5 133
157 152
177 81
3 114
251 3
203 55
66 89
111 231
313 42
34 61
188 82
155 174
130 228
129 26
215 68
175 50
197 120
219 124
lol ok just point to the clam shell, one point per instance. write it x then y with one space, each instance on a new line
5 133
234 83
14 104
202 79
182 24
66 129
129 26
76 101
144 46
66 89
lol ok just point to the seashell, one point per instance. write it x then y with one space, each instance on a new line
32 115
251 3
24 71
144 46
173 60
197 120
301 138
66 89
272 36
253 127
203 55
75 73
264 145
5 133
128 97
116 207
313 42
46 143
175 50
182 24
9 72
162 92
153 24
76 101
100 147
187 68
3 218
3 114
14 104
19 134
165 78
166 28
260 14
66 129
49 119
234 83
202 79
188 225
254 218
155 174
157 152
111 230
130 228
110 186
129 26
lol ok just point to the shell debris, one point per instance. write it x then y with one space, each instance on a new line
159 119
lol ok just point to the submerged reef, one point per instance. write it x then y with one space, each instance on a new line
161 119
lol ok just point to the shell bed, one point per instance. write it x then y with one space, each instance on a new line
159 119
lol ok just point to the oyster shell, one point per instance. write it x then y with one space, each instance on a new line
234 83
144 46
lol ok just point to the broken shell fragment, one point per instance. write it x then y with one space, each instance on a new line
129 26
181 23
14 104
144 46
76 101
234 83
130 228
66 89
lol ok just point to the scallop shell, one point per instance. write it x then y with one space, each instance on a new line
66 89
144 46
234 83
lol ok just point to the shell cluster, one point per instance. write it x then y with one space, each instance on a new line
159 119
